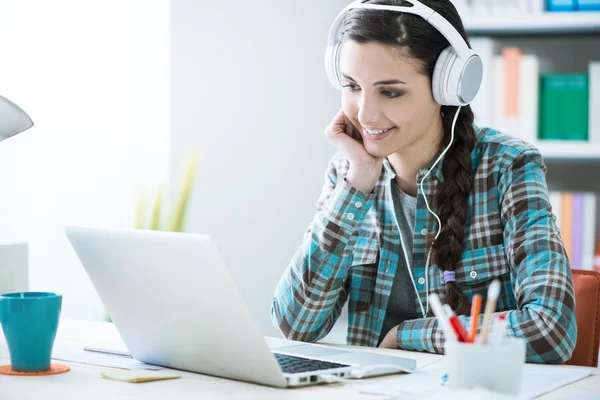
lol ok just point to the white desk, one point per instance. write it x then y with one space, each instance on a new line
85 382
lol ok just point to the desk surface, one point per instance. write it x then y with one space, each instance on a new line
84 381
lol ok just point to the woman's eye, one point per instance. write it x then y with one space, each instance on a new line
391 94
351 87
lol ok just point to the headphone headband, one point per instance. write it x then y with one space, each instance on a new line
458 70
418 8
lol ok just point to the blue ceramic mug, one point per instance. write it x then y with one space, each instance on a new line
30 321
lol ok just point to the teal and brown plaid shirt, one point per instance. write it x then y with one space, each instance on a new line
352 247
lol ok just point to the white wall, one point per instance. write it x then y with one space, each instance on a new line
94 76
249 91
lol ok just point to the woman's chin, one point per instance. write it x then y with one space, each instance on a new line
377 151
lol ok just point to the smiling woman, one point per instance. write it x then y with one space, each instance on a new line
401 109
420 200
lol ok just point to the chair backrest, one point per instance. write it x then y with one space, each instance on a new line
587 301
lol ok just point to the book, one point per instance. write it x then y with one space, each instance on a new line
506 118
589 230
483 104
561 5
576 107
594 109
498 91
588 5
528 97
564 107
512 58
556 202
566 229
577 231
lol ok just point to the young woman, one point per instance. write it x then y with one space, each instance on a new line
420 200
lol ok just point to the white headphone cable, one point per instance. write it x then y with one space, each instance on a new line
431 211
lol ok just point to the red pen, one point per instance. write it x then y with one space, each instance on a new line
460 331
457 327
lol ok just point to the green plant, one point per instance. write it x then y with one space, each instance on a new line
176 220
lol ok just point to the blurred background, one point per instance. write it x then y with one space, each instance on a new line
122 92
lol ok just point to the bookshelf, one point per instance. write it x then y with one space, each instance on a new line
558 150
553 23
563 43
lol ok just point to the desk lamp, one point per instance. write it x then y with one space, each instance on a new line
13 119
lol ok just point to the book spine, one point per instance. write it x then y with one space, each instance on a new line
561 5
556 203
594 107
528 97
483 104
576 107
588 5
499 89
551 107
512 59
577 237
566 228
589 230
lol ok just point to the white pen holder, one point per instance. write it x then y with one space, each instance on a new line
494 367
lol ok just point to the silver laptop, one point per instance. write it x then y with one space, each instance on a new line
175 304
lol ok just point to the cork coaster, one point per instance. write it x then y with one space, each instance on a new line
54 369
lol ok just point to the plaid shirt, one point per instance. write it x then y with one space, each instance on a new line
351 250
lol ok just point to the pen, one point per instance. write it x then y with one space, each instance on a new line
490 307
438 311
498 329
457 327
475 310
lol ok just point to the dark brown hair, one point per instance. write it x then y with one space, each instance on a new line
416 38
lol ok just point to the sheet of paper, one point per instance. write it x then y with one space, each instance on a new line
474 394
138 376
537 380
67 352
423 381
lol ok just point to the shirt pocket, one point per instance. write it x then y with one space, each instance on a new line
362 274
479 266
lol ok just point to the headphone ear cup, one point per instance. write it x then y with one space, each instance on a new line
442 76
331 65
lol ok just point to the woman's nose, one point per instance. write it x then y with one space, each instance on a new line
368 112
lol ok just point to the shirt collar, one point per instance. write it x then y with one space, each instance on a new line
436 173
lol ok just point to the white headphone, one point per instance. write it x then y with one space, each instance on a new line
458 70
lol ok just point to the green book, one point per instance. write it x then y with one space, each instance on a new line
564 107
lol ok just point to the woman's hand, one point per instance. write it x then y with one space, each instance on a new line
389 341
365 169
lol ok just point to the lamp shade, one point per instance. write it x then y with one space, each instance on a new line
13 119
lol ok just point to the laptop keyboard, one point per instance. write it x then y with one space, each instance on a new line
293 365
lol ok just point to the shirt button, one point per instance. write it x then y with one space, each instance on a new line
424 231
358 204
473 274
421 281
350 216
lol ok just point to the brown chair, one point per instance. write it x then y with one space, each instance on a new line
587 302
